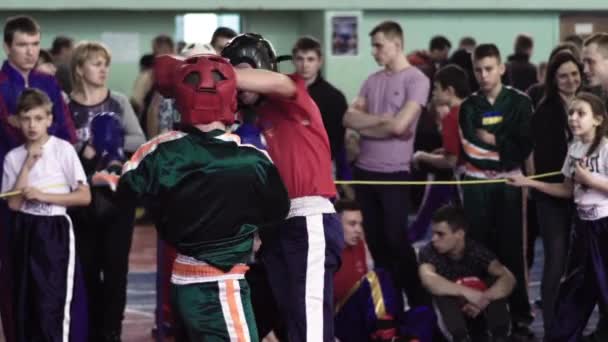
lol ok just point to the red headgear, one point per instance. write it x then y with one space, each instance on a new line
203 86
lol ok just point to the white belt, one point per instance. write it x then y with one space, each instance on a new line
310 205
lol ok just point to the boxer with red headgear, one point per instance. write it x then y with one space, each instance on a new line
208 195
468 283
204 87
301 256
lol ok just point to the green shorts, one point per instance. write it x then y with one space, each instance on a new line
215 311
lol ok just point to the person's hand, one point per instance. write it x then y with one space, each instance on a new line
483 302
351 145
417 159
257 242
33 194
33 155
472 296
406 136
471 310
518 181
486 136
13 120
387 120
88 152
582 174
477 298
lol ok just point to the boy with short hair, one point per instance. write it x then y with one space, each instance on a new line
496 141
451 87
47 288
466 280
308 61
22 46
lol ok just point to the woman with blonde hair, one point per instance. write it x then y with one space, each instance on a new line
106 126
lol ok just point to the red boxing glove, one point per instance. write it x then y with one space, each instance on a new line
472 282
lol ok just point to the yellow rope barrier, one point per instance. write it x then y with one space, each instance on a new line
443 182
440 182
18 192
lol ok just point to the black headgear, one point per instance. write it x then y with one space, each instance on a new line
253 49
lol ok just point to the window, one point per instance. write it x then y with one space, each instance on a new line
199 27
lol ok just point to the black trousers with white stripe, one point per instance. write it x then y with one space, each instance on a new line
301 257
48 294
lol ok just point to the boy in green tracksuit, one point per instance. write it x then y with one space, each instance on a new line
495 134
208 195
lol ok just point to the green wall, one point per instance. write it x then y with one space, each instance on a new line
314 25
284 27
208 5
348 73
280 27
89 25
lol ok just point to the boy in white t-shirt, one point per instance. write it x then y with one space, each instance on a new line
48 298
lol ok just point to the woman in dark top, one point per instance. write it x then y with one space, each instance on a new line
551 135
105 126
537 91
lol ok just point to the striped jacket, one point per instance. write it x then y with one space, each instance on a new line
508 119
207 193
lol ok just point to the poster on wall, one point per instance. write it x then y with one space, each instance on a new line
345 39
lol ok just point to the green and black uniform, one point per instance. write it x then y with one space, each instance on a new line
208 195
494 211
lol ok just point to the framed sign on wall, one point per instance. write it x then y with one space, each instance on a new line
344 35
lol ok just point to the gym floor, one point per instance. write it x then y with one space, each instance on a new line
141 294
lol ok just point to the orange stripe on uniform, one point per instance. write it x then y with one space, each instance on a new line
105 178
205 270
148 147
141 152
474 151
234 312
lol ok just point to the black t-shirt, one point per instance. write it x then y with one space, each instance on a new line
332 105
550 136
474 262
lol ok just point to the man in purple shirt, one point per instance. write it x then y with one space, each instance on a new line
385 114
22 47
